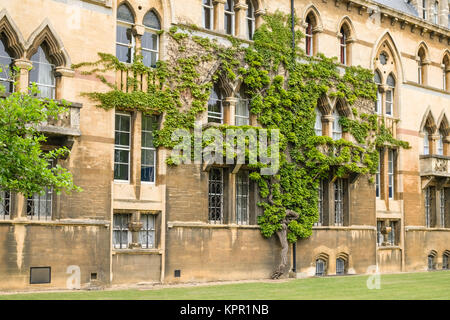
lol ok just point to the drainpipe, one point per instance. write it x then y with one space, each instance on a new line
294 245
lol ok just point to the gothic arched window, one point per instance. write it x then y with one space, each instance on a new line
250 19
43 73
125 40
6 62
150 39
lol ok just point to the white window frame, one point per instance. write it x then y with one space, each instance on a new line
309 37
40 85
122 147
337 128
231 13
423 9
251 21
156 51
436 12
420 72
131 45
211 15
153 149
8 79
391 173
440 144
213 114
426 143
245 118
389 103
343 48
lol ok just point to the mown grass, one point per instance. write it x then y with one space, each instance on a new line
426 285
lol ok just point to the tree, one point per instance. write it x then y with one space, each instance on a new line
24 166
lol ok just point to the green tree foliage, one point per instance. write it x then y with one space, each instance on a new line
24 166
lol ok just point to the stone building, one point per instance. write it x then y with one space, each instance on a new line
139 220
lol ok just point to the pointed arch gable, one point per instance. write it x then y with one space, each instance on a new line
15 39
325 105
47 34
346 22
446 57
423 46
343 108
443 124
391 43
129 6
157 15
428 122
311 9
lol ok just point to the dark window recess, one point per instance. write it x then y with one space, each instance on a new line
40 275
94 276
177 273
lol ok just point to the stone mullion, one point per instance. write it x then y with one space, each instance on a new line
327 125
240 13
24 66
229 110
219 15
135 226
433 143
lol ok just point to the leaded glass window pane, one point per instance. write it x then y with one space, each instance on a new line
124 14
242 196
339 202
215 193
121 233
340 266
5 205
320 267
151 20
147 232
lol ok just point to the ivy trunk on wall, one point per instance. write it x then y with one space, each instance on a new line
284 86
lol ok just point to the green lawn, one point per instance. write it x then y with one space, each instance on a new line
427 285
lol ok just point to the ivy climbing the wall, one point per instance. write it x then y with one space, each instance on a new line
284 86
